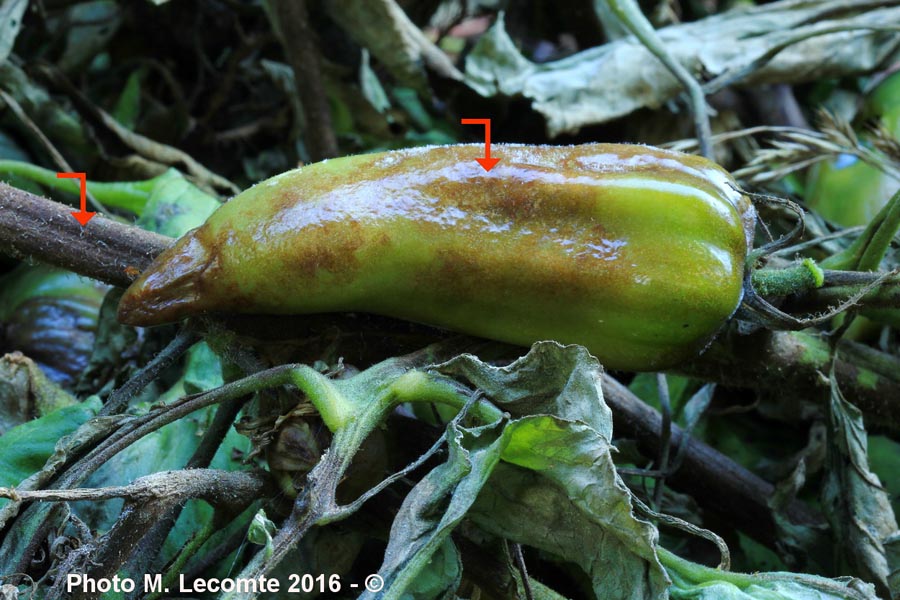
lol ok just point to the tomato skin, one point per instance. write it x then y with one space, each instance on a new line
849 192
884 103
635 252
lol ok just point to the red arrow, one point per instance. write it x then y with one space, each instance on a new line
487 162
82 216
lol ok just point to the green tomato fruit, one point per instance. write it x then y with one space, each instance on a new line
636 253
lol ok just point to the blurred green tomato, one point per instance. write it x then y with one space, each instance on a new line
847 191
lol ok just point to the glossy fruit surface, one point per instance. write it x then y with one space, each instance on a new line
635 252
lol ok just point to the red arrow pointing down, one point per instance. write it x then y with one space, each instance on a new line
487 162
82 216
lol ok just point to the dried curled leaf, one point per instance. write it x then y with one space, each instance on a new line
854 500
613 80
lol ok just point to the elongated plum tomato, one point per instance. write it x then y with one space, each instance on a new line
634 252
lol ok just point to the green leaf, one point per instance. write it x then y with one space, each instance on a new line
25 449
441 573
33 455
11 12
525 507
601 533
644 387
261 531
434 507
563 381
571 501
696 582
65 130
88 28
371 87
170 447
176 206
409 101
128 106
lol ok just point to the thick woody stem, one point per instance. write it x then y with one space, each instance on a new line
148 499
34 228
718 483
790 365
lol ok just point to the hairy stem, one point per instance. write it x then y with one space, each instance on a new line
33 228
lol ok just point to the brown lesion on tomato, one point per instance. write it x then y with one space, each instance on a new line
456 274
518 206
501 202
598 232
286 199
383 240
331 249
